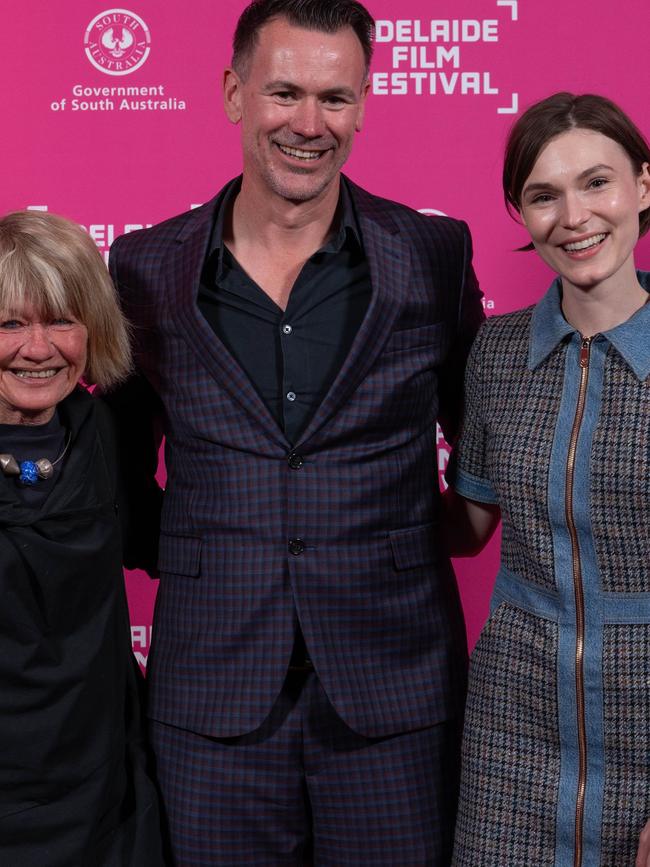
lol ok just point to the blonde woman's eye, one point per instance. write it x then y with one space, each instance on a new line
62 320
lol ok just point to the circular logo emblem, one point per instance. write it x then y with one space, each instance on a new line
117 42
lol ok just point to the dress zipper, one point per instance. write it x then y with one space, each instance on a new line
578 592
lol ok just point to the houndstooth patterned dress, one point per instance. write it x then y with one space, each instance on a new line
556 753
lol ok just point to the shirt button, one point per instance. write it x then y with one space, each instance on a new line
291 395
296 546
287 329
295 461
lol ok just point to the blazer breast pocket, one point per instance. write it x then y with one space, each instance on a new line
424 337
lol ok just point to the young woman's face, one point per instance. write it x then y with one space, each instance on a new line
581 205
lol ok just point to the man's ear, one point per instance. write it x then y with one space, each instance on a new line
232 87
362 106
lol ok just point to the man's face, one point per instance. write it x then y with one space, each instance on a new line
299 106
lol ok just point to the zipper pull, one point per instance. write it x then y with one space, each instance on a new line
584 352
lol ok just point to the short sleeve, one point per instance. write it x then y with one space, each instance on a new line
467 471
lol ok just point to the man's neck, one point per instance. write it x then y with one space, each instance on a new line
279 224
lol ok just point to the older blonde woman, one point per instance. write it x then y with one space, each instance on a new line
73 786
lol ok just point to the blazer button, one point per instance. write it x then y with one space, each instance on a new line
296 546
295 461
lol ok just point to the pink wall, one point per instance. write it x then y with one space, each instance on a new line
434 134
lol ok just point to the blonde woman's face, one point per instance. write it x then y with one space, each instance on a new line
41 361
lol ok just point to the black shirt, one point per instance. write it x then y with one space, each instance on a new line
291 357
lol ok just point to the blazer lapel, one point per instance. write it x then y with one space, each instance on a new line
389 262
183 274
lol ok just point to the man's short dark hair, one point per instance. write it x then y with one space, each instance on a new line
328 16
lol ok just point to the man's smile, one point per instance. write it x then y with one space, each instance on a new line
300 153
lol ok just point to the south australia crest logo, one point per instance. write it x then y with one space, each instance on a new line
117 42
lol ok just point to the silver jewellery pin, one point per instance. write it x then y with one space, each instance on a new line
29 472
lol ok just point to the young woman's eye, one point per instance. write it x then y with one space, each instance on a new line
596 183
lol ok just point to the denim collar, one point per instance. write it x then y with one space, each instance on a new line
630 338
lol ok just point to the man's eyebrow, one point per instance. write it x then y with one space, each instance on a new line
278 84
292 87
342 90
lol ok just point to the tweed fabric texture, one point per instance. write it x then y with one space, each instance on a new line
247 801
511 751
372 589
626 806
507 438
524 375
620 511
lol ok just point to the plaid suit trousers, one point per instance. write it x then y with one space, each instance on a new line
304 785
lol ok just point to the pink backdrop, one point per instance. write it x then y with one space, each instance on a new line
444 95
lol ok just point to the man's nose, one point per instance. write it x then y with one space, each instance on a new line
307 119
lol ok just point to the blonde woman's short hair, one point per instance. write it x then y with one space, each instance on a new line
52 263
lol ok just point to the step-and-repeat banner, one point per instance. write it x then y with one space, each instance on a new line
112 116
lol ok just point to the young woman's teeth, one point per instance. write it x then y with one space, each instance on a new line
584 245
298 154
35 374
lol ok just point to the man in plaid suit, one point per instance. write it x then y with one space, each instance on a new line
299 338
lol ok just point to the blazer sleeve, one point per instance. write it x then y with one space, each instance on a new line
470 316
137 414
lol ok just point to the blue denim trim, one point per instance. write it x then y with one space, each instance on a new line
473 488
509 587
626 608
549 328
614 607
631 337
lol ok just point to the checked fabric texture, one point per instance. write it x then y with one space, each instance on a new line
520 771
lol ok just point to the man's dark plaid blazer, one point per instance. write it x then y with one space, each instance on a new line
373 589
